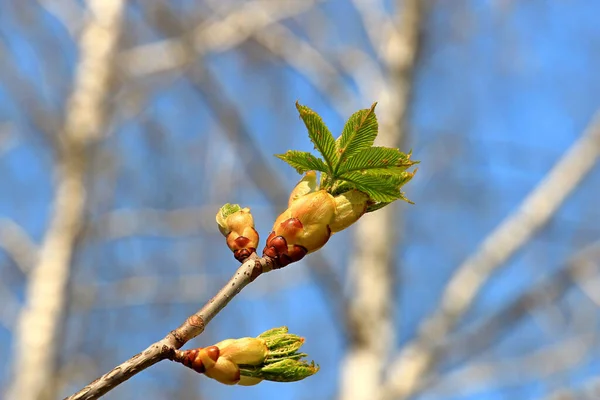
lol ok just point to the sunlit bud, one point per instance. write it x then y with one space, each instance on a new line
349 207
302 228
224 371
249 351
237 225
307 184
273 355
288 370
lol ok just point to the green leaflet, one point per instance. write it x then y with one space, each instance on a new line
377 159
283 363
302 161
286 370
380 188
320 135
351 161
359 133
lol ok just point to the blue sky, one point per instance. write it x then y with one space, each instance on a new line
502 89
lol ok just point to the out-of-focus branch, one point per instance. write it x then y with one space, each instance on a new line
258 20
18 245
215 35
589 390
40 321
24 94
118 224
535 366
372 263
69 12
192 327
141 290
582 267
416 359
6 137
378 25
10 307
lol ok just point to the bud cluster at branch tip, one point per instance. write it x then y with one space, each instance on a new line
237 225
273 356
311 218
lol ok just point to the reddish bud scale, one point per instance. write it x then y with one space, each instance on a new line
200 359
238 229
278 249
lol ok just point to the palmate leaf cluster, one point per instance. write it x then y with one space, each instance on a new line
351 161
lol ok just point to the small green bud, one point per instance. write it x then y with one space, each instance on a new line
222 215
237 225
307 184
349 207
272 355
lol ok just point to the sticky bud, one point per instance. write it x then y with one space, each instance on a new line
307 184
237 225
349 207
273 355
200 360
250 351
302 228
224 371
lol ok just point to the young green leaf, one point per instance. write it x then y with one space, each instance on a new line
377 159
320 135
379 187
359 133
302 161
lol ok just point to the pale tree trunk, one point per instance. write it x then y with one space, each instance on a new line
40 322
372 264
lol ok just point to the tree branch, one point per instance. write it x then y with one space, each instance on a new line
39 325
418 357
581 266
370 312
218 35
18 245
192 327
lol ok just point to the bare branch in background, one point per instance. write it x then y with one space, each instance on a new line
118 224
535 366
215 35
257 20
10 307
419 356
6 137
474 340
69 12
589 390
141 290
18 245
40 322
582 266
372 263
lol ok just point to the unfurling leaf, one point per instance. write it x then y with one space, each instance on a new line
380 188
319 134
377 159
302 161
359 134
273 356
351 161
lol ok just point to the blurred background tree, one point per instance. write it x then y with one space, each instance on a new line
115 158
